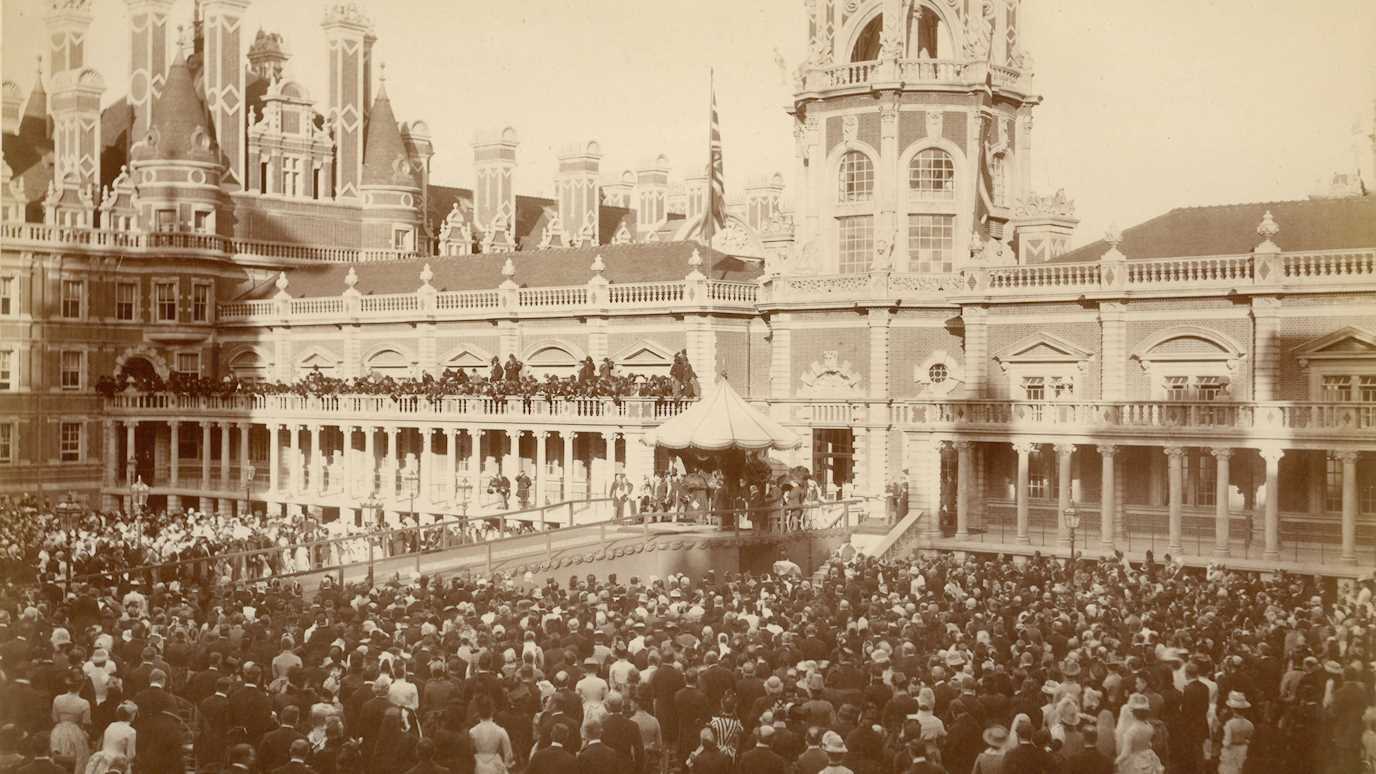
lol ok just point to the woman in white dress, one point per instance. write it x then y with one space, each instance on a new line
117 746
491 745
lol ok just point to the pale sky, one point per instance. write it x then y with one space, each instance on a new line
1147 106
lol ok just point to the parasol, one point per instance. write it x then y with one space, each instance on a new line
722 420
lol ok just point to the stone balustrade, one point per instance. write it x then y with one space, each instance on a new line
848 75
408 408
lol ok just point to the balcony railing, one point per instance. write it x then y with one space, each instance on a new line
1264 419
407 407
914 71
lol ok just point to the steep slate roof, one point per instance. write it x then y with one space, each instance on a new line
28 152
383 146
529 214
534 268
177 115
1231 229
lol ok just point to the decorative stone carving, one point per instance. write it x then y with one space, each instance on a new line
830 377
934 122
1267 230
1057 205
940 375
850 126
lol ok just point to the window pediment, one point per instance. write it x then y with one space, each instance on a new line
1043 348
1350 343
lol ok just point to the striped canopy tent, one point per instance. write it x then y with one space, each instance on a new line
722 420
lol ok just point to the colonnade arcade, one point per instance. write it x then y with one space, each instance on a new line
1218 501
226 466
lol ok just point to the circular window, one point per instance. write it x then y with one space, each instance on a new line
937 374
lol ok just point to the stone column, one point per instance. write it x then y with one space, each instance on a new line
245 434
1025 450
275 458
1175 495
511 460
108 470
609 464
392 469
226 480
1065 453
174 427
1108 502
541 437
454 444
1271 456
567 463
475 462
964 471
294 459
316 463
369 460
1222 513
1349 460
205 457
925 481
130 450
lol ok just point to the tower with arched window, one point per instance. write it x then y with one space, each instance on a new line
913 128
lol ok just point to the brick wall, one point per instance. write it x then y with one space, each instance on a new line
910 347
1082 334
1239 331
1298 331
851 345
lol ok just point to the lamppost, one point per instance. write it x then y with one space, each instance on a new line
140 492
411 480
1072 522
130 467
465 490
249 473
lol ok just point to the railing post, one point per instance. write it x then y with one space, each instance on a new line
570 509
489 559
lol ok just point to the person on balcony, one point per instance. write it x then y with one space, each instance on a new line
497 373
523 487
587 372
620 492
513 369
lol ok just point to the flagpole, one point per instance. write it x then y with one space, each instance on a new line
709 211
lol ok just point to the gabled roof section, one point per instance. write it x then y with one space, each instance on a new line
1042 348
651 262
29 151
1231 229
385 161
1347 343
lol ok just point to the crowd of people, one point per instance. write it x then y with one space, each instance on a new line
512 379
924 665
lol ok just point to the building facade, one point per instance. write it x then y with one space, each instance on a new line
1205 380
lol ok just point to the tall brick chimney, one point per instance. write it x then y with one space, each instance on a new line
576 190
349 41
222 73
494 193
652 191
147 59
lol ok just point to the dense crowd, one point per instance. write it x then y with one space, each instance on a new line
511 379
923 665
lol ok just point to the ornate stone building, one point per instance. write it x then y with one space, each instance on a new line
1203 383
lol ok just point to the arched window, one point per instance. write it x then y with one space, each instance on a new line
932 174
867 43
856 178
389 362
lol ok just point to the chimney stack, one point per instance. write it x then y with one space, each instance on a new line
652 189
577 194
349 42
75 101
13 103
147 59
267 57
222 72
695 191
415 135
494 194
621 192
763 199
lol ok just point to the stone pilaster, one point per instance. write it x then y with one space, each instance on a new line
879 322
780 357
1113 361
976 319
597 340
1266 360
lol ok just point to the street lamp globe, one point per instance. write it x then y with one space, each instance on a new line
1072 517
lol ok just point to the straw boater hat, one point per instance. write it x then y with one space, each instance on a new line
995 736
1139 701
1238 700
832 743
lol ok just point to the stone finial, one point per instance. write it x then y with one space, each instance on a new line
281 282
508 268
695 260
351 279
426 275
598 265
1267 230
1114 237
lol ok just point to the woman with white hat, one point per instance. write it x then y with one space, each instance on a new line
1237 734
991 760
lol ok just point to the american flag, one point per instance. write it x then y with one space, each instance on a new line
715 218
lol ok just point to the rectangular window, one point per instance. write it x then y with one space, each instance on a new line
71 299
6 444
1061 388
69 449
1333 485
167 220
1366 497
165 301
315 183
1337 388
200 303
189 363
856 244
1206 493
1211 388
6 369
71 370
1366 388
291 176
1177 388
126 300
7 304
931 243
401 239
201 219
262 177
1034 388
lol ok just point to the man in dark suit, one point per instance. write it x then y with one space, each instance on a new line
250 707
42 761
716 680
213 718
813 759
275 748
623 735
425 757
1194 722
1089 760
761 759
596 757
296 758
204 683
558 716
1026 758
137 678
555 758
24 705
155 697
